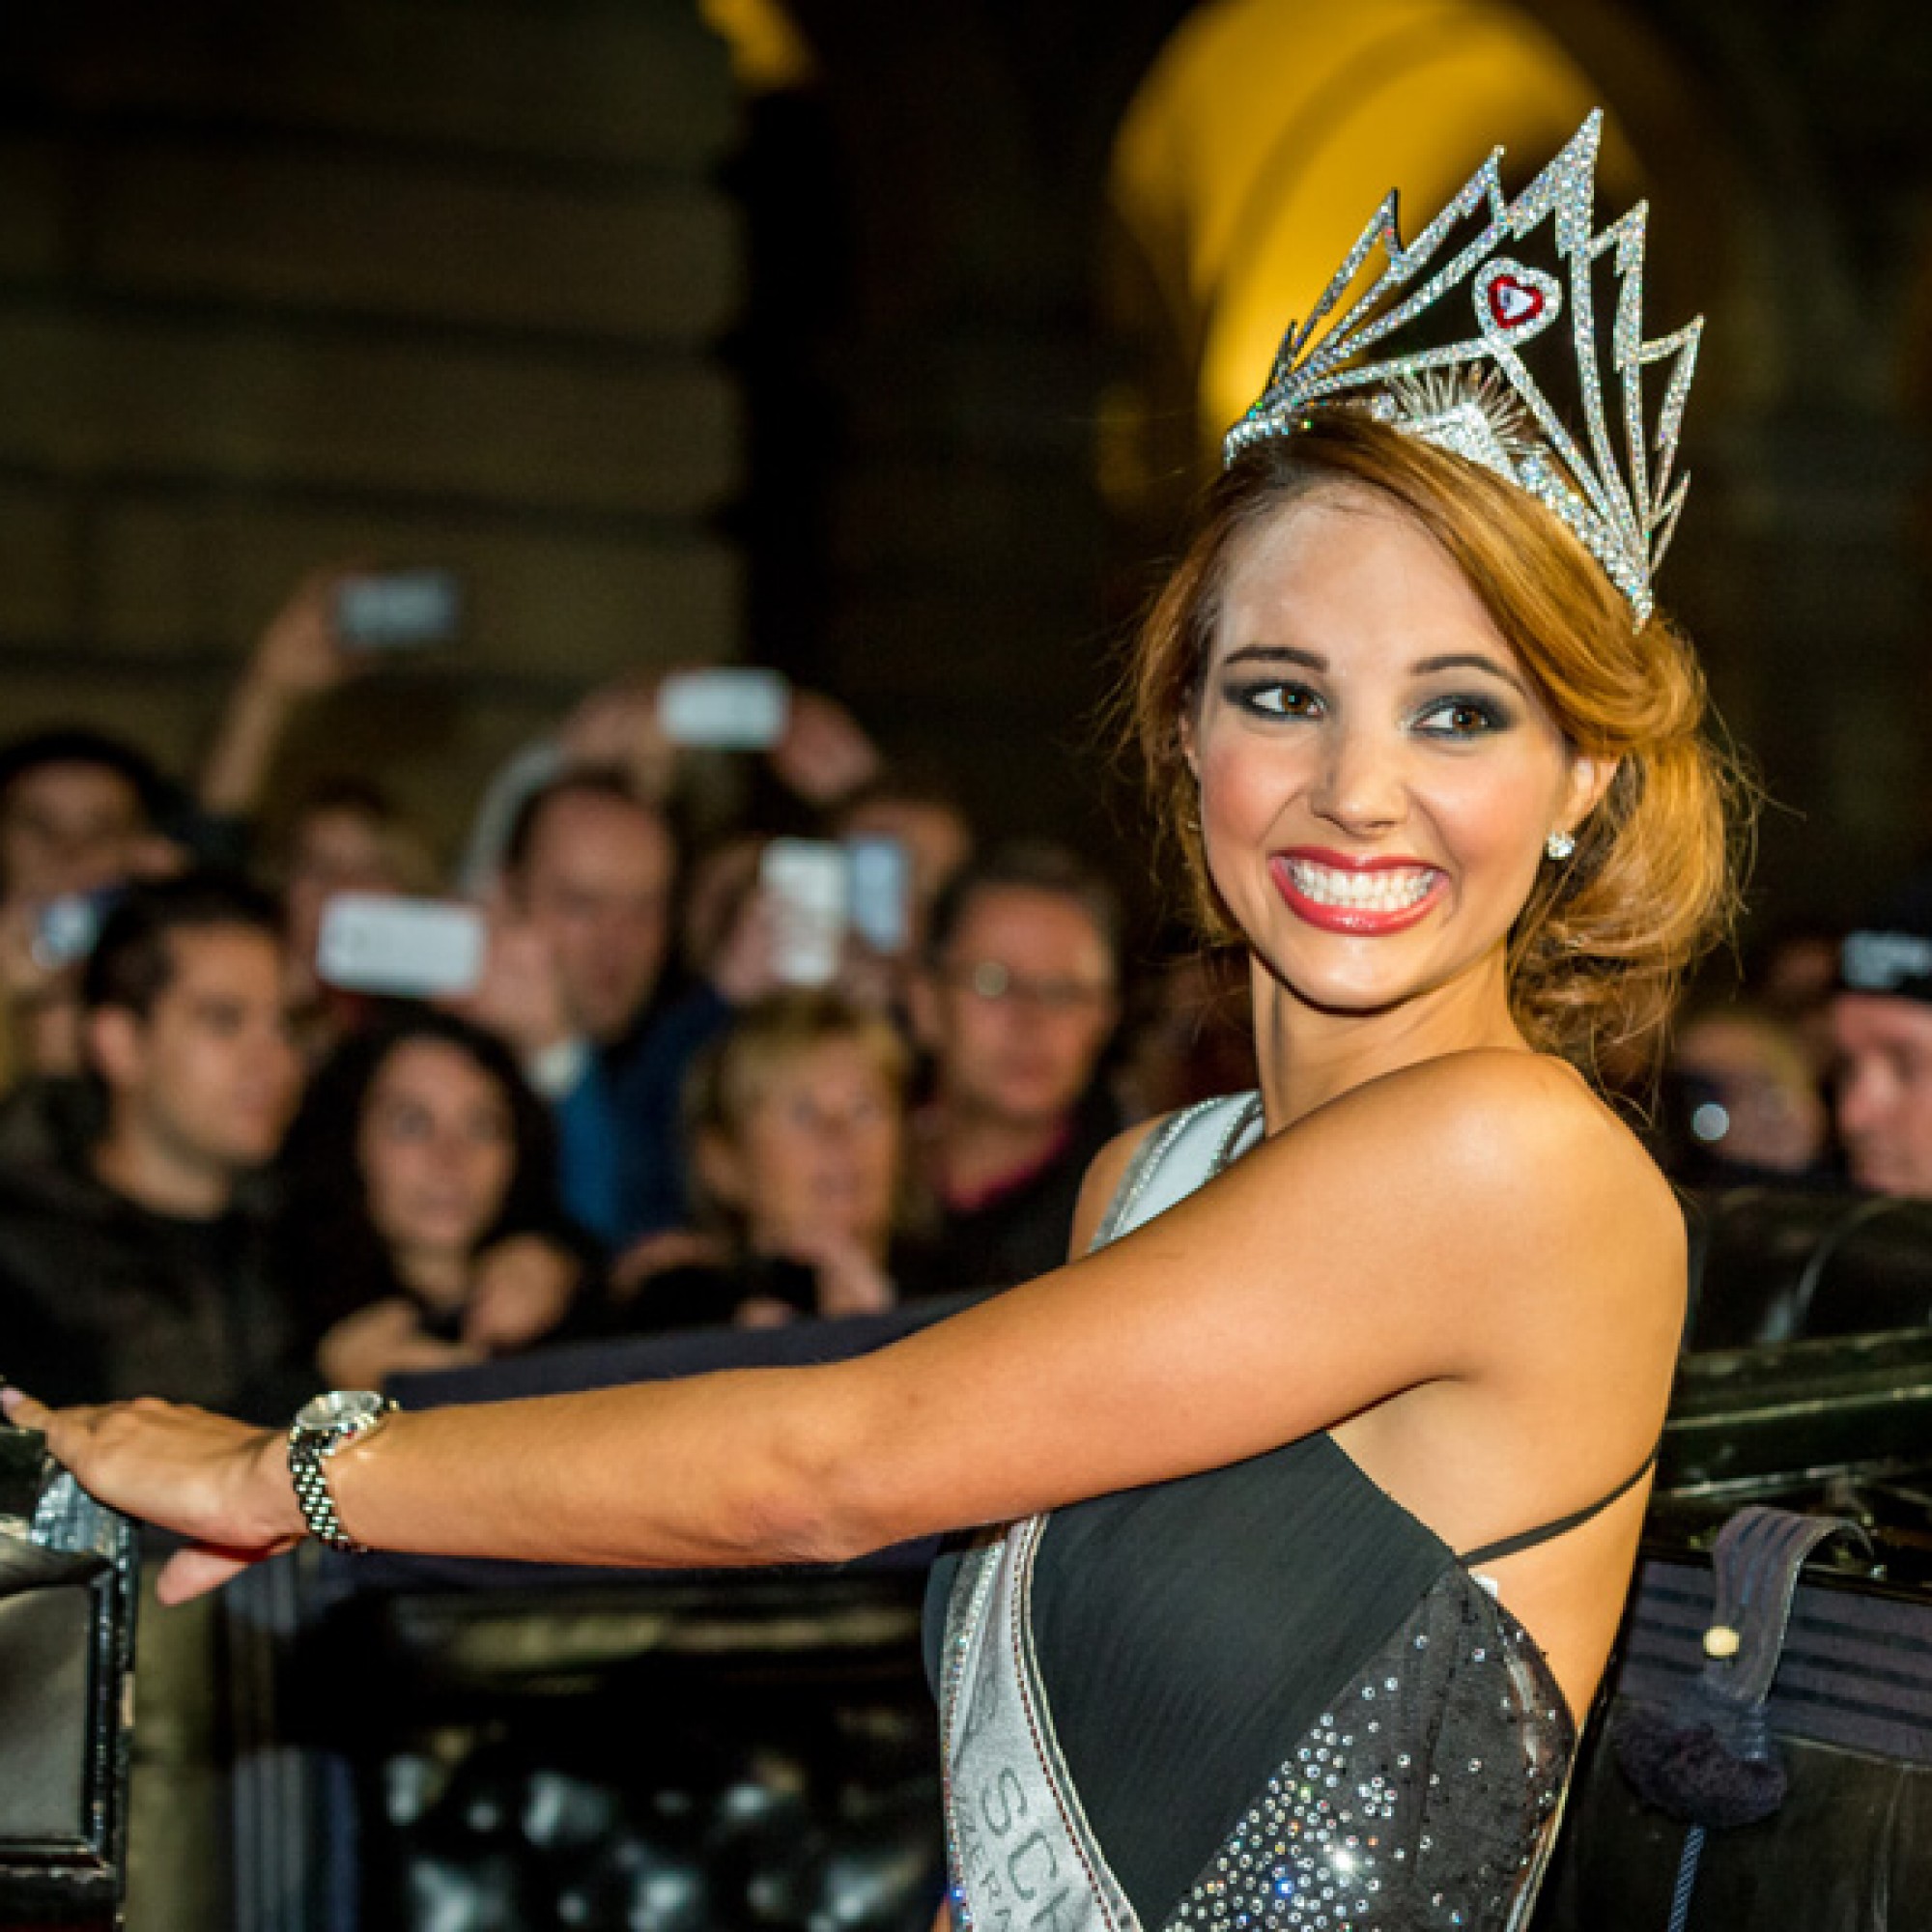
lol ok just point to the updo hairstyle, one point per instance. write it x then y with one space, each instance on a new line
1601 947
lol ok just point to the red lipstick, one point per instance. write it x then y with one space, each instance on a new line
1358 921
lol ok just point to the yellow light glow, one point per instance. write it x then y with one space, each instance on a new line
1269 130
769 55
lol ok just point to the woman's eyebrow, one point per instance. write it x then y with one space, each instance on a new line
1469 661
1276 654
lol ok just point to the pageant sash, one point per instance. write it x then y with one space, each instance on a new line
1022 1855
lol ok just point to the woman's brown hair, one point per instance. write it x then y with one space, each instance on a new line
1599 951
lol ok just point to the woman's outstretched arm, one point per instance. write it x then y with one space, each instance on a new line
1471 1228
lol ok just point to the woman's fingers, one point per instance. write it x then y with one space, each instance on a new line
208 1477
22 1411
200 1568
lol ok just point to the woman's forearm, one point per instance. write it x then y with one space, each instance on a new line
745 1468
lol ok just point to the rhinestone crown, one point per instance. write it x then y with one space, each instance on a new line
1476 396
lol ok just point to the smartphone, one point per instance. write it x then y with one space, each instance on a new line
412 948
805 880
879 883
732 708
399 609
66 928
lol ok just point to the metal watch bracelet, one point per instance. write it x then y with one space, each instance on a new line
323 1427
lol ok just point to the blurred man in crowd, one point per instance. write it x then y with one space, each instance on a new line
78 815
576 986
1017 1003
1882 1022
131 1261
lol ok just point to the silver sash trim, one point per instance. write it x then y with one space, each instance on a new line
1022 1855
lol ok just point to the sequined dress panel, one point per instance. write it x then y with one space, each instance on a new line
1285 1704
1266 1696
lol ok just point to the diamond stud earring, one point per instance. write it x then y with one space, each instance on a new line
1559 845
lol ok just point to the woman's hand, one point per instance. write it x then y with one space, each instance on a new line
221 1484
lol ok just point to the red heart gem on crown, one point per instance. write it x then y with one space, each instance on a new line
1512 302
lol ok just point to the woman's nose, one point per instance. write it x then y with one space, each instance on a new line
1360 784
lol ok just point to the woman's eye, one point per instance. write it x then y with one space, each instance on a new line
1276 700
1462 717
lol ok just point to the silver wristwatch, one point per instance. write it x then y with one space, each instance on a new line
322 1426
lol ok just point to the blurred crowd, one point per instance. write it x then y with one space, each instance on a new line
290 1103
286 1102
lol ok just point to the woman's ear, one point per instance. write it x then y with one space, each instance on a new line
1589 780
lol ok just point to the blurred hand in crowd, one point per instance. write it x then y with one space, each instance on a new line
665 1252
745 967
386 1338
824 755
299 655
616 729
299 652
520 997
39 997
848 1275
520 1289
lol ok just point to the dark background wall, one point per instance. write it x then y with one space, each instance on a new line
822 375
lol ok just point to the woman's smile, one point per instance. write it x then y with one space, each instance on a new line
1343 894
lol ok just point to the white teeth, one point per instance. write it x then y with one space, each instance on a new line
1391 890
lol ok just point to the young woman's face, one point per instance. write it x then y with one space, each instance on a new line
820 1150
1378 777
436 1147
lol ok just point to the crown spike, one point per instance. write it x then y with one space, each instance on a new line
1477 396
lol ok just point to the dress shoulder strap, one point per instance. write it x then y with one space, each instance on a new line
1186 1150
1528 1539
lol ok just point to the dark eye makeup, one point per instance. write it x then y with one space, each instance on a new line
1271 697
1464 715
1455 715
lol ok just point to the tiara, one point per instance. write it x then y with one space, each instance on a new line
1477 397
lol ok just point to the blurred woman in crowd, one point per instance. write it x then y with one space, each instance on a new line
421 1228
797 1128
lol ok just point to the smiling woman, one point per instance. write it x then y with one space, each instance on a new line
1301 1505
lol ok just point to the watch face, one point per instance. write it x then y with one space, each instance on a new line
338 1407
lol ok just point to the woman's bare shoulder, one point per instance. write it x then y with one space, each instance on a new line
1521 1142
